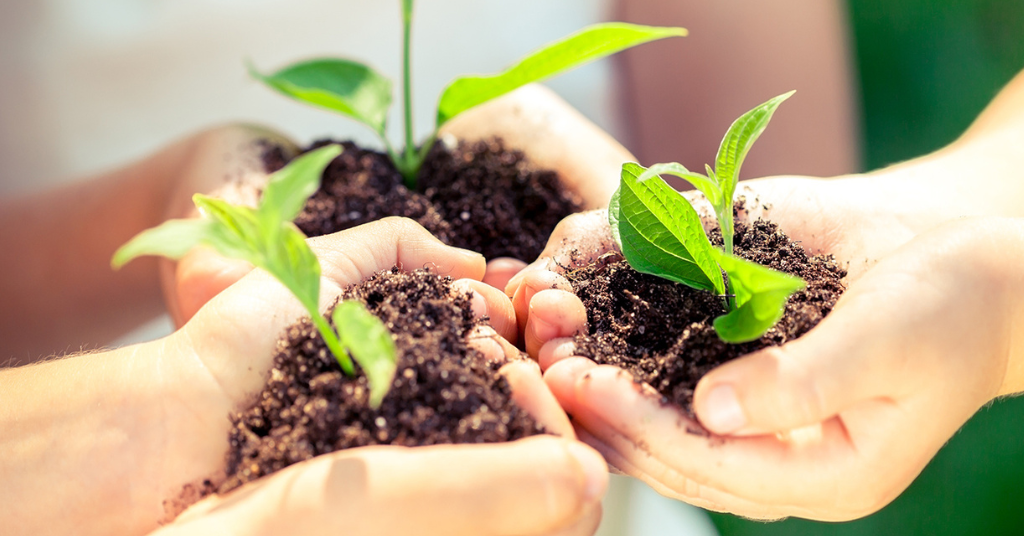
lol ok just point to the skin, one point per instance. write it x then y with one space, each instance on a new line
835 425
531 118
134 425
72 232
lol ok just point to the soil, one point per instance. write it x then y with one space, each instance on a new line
479 196
444 391
662 332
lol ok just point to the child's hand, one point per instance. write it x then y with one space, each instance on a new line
836 424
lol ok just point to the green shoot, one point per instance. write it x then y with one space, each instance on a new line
661 234
357 91
267 238
719 185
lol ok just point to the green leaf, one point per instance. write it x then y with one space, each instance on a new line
591 43
660 233
288 189
173 239
761 295
368 341
706 184
737 142
344 86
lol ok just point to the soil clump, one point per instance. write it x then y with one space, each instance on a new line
444 390
662 332
479 196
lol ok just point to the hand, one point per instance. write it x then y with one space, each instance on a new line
534 486
836 424
532 119
161 407
227 163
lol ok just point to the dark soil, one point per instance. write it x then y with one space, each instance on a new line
444 391
478 196
662 332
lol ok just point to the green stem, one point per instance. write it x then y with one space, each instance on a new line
333 344
406 78
725 223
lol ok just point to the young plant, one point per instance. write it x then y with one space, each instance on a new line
719 185
267 238
357 91
661 234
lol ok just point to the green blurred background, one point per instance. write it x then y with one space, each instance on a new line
927 69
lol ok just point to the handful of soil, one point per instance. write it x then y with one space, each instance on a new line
444 390
479 196
662 332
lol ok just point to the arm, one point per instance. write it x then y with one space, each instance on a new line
59 290
835 424
110 436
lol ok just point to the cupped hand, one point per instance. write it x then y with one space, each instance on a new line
836 424
222 355
226 163
535 486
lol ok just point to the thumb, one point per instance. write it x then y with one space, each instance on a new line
905 327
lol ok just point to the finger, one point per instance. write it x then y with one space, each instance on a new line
534 486
494 347
897 331
586 525
501 270
492 304
536 121
554 351
553 314
350 256
577 240
198 277
530 392
247 318
792 475
533 282
561 379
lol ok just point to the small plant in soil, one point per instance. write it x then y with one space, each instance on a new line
421 384
357 91
661 234
267 238
676 306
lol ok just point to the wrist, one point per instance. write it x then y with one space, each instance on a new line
85 432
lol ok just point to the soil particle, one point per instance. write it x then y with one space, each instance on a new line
444 391
480 196
662 332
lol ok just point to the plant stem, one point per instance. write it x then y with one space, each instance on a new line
407 82
333 344
725 224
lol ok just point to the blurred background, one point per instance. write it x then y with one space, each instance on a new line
88 85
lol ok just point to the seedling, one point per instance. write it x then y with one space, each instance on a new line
661 234
359 92
267 238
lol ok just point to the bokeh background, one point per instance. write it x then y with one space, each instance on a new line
88 85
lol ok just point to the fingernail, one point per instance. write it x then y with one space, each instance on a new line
468 254
722 411
595 470
543 331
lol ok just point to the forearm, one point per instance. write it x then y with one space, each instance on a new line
82 444
59 292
